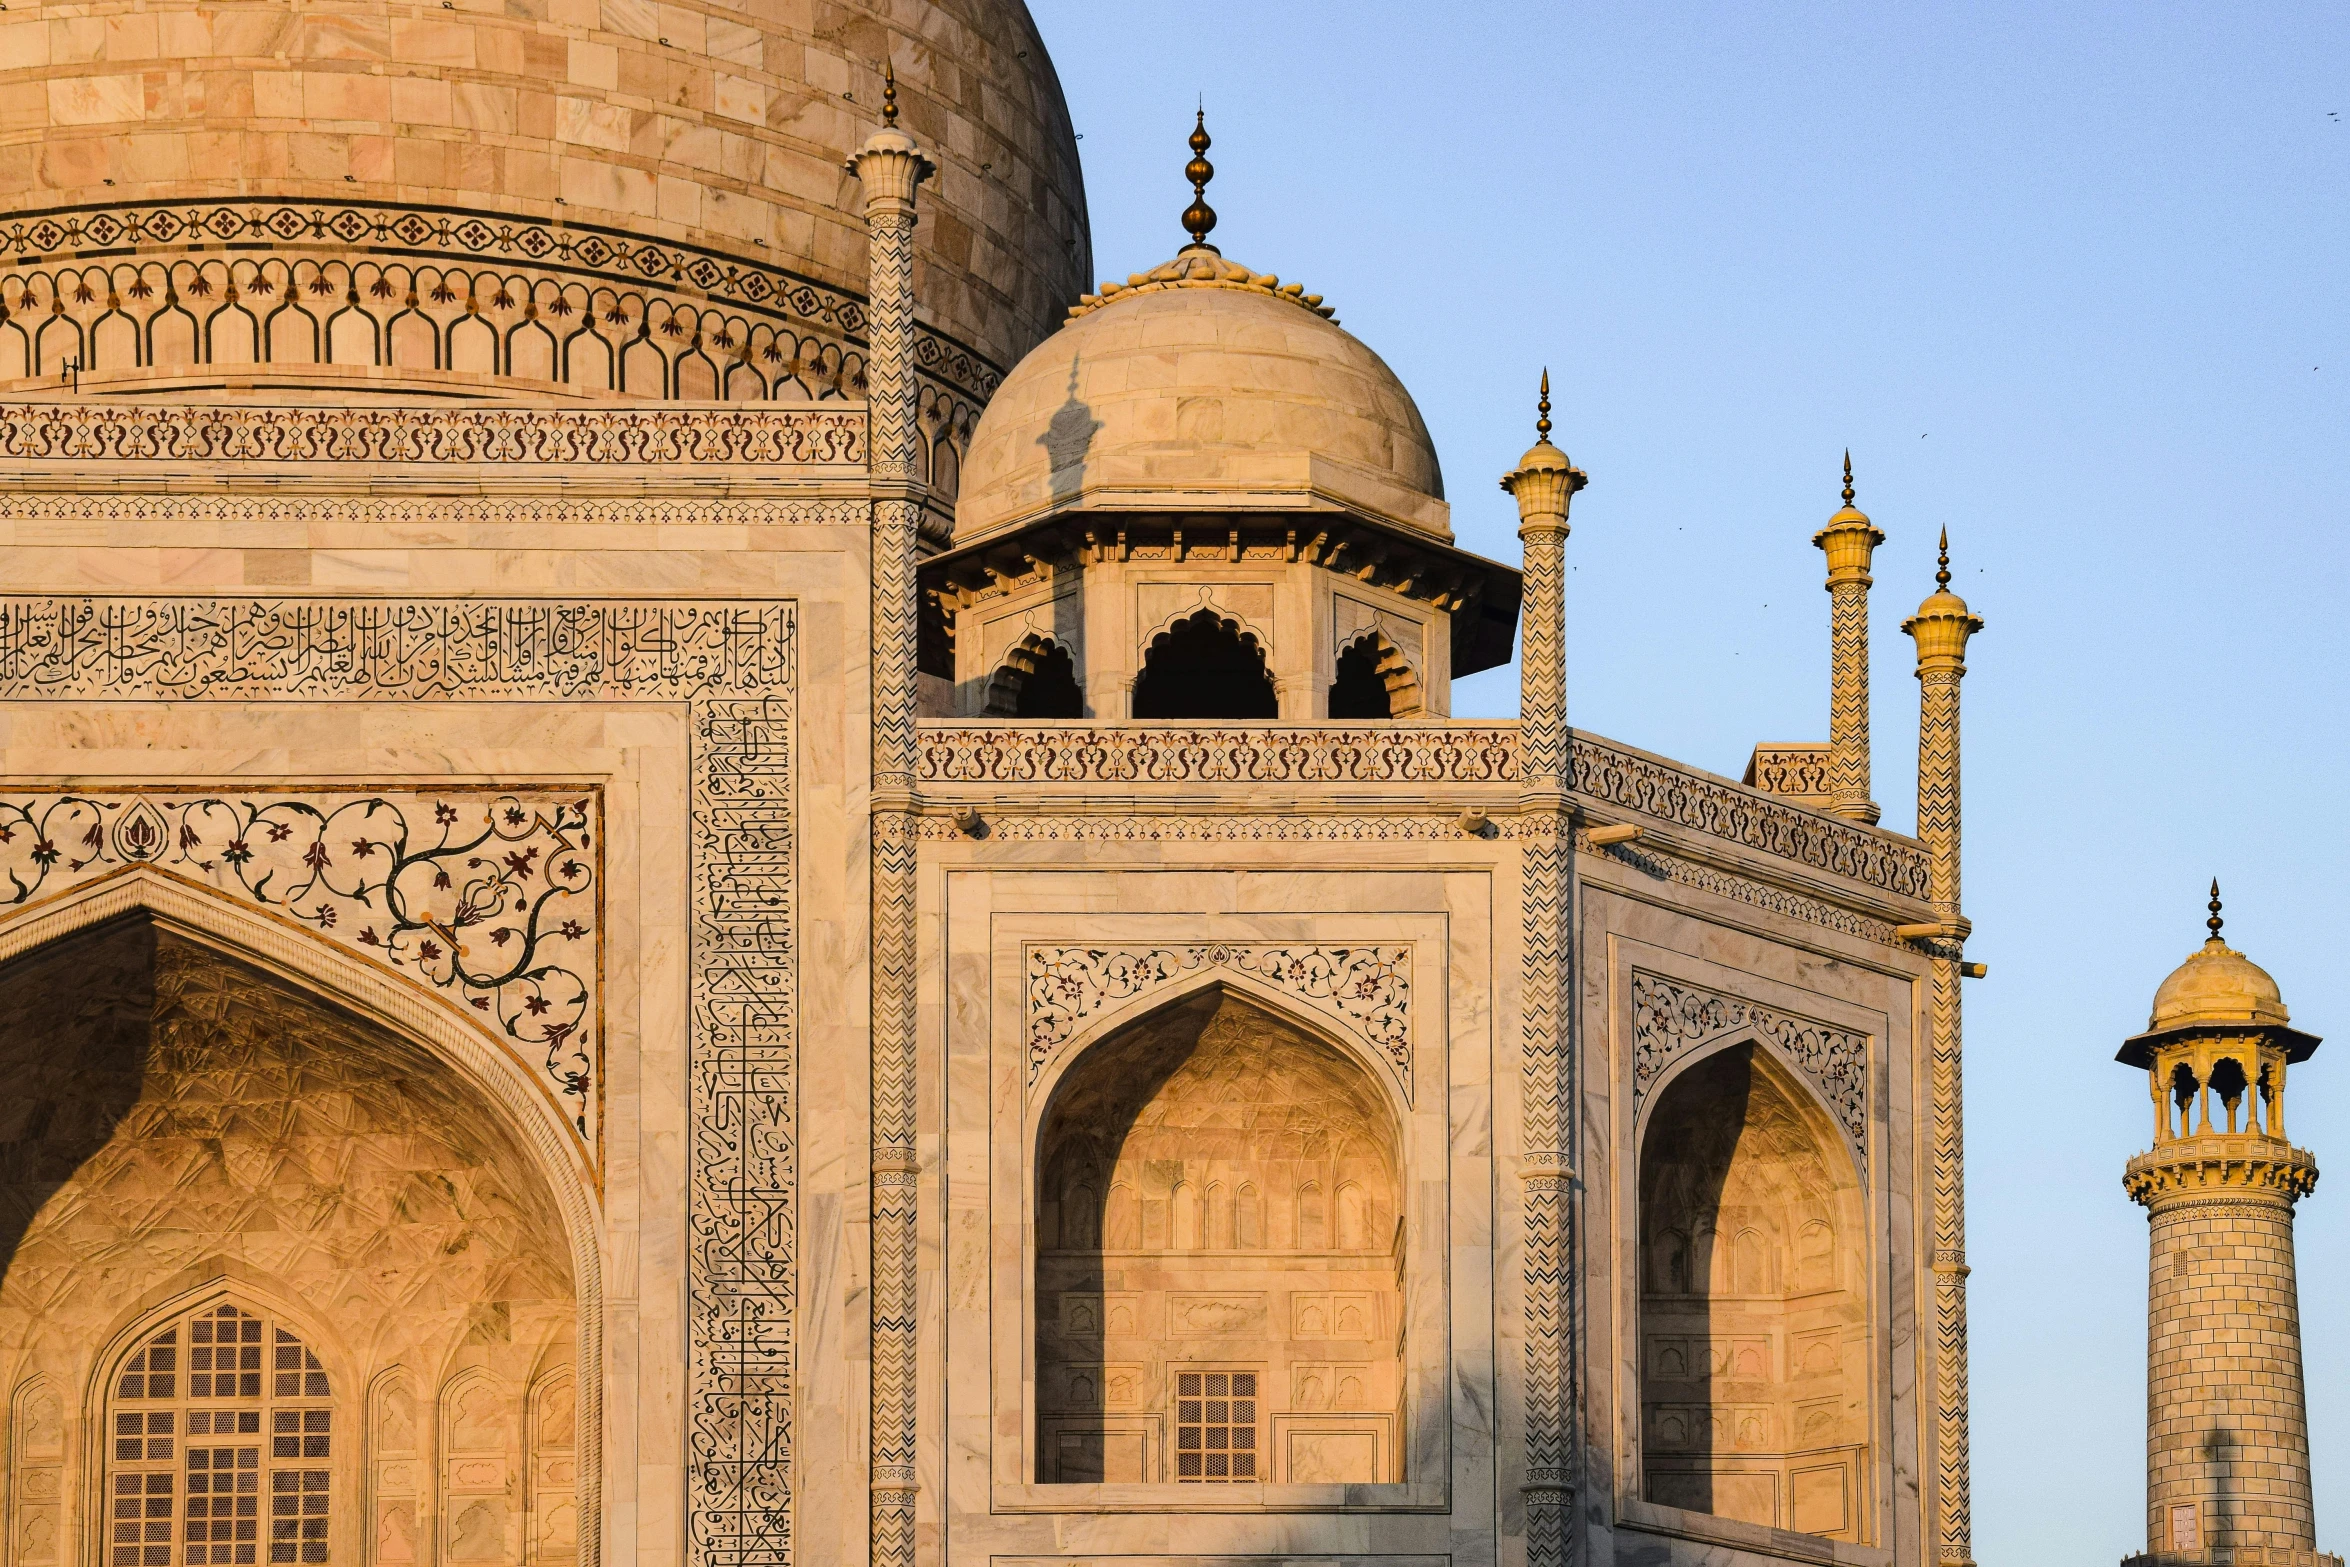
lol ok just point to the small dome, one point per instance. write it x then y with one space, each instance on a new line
1201 385
2218 985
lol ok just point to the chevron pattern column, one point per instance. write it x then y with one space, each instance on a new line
1941 628
891 166
1849 540
1544 484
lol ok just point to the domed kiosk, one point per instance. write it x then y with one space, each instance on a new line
1208 500
592 199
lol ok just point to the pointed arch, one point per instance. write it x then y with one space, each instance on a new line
1036 678
1205 663
1754 1317
1190 1099
1374 679
350 986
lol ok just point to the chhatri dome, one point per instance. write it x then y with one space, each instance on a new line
563 134
1201 384
2217 984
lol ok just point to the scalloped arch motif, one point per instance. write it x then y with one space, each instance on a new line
734 664
1670 1018
1365 990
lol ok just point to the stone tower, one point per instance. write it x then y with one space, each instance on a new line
2227 1426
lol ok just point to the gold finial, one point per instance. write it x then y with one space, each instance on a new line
1942 574
1848 476
889 93
1199 217
1542 424
2215 921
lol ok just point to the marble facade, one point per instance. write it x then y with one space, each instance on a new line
707 1077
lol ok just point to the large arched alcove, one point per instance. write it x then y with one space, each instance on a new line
1754 1304
187 1134
1218 1258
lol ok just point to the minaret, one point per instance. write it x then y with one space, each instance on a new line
1941 628
891 165
2227 1428
1544 484
1849 539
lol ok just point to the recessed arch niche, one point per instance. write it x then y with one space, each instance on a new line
1754 1307
1219 1257
184 1123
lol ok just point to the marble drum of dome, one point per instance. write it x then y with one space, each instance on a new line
605 198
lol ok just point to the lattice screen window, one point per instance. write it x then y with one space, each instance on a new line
223 1434
1215 1427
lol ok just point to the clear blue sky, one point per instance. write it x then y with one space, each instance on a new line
2069 280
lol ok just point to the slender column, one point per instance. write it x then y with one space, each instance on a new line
1543 485
1849 540
1941 628
890 165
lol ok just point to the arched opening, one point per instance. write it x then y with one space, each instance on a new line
1375 680
1204 666
193 1137
1199 1317
1754 1317
1037 679
1360 691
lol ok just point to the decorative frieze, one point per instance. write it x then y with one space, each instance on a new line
491 898
126 648
120 502
1412 753
1671 1017
1084 754
1367 991
151 266
635 437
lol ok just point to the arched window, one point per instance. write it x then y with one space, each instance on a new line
1173 1347
1204 666
1360 691
222 1433
1754 1324
1037 679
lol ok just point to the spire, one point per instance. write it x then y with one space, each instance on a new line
1542 421
1942 572
2215 921
889 94
1199 217
1848 476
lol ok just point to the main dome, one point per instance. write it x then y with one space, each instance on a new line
694 147
1201 386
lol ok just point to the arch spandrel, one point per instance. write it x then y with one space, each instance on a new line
1357 996
486 900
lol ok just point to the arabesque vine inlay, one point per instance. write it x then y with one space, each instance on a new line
490 897
1670 1017
1366 989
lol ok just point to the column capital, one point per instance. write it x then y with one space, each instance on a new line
1942 624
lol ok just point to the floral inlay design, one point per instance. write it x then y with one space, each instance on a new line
1669 1018
1366 990
491 898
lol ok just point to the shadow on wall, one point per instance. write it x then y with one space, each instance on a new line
1754 1306
74 1040
1066 441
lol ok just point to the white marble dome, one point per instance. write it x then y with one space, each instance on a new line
1201 385
695 148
